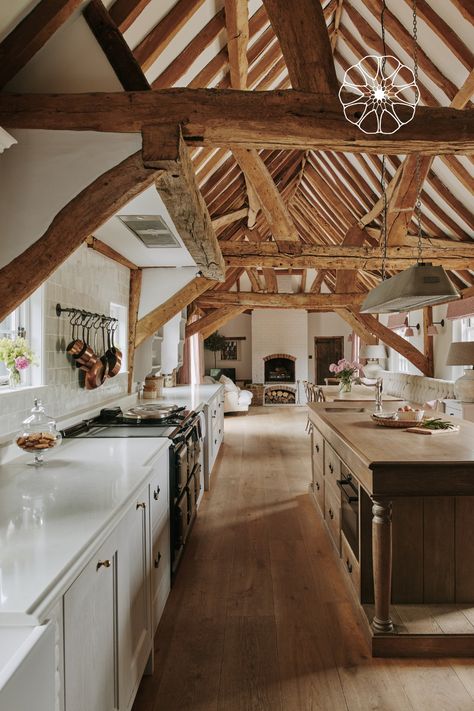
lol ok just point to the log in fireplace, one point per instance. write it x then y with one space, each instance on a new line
279 368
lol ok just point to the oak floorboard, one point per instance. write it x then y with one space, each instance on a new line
260 617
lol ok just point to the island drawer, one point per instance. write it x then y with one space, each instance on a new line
318 487
317 444
350 563
332 466
332 514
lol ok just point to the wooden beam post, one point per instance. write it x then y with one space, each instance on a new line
150 323
428 340
133 305
72 225
165 150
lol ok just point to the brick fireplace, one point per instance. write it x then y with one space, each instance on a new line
279 368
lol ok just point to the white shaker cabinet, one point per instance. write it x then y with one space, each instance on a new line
134 623
90 613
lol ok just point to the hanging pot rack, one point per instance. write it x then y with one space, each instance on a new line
85 316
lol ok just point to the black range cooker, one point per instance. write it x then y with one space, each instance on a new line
183 428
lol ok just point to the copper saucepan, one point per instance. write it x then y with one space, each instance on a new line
76 344
113 354
88 357
97 374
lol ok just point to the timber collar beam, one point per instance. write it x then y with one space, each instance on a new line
250 299
450 254
217 117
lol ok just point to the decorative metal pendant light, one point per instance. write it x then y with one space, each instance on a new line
421 284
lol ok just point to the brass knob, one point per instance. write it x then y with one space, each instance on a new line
331 468
331 515
156 493
141 505
349 566
317 486
317 447
157 560
103 564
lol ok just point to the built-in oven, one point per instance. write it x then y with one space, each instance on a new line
349 509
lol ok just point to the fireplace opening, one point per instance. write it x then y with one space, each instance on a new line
280 369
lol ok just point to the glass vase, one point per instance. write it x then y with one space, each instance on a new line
14 377
345 386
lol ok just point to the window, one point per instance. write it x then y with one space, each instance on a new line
467 328
26 321
403 363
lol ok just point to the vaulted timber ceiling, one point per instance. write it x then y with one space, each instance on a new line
302 201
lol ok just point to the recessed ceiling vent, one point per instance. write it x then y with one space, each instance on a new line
151 230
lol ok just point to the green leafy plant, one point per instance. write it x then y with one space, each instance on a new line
436 423
214 343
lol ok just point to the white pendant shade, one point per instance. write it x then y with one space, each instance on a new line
461 353
6 140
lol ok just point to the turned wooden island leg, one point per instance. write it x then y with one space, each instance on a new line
382 562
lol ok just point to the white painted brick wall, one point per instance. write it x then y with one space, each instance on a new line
279 331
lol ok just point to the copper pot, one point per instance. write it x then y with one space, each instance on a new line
98 372
76 344
113 354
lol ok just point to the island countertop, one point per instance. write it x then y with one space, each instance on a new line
394 462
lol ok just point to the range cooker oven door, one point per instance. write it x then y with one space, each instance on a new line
182 519
192 496
181 468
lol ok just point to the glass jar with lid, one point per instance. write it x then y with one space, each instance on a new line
38 434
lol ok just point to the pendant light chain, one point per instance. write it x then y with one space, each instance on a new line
419 258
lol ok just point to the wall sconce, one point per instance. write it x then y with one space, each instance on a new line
349 338
432 330
409 330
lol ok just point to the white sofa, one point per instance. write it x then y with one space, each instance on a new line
235 399
417 389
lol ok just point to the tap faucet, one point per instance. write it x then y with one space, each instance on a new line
378 395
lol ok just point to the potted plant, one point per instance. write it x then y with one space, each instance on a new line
345 370
17 356
214 343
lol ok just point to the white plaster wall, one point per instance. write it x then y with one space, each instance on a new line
279 331
86 280
43 172
239 326
158 284
321 325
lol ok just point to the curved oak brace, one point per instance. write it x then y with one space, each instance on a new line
382 562
72 225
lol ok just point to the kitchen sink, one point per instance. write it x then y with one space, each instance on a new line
347 409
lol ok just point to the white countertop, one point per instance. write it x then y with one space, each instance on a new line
193 397
49 516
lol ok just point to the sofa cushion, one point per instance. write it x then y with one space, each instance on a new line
229 385
417 388
245 397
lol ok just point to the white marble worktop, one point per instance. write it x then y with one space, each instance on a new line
50 516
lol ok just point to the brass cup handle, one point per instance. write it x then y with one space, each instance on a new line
103 564
157 560
141 505
156 493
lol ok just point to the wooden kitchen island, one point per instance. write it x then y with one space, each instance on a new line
399 508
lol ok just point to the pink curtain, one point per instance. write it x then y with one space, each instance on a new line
191 371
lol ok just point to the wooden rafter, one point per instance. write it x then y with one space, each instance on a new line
31 34
324 302
98 246
150 323
227 219
212 321
357 326
316 256
72 225
165 150
237 25
303 36
270 119
133 305
125 12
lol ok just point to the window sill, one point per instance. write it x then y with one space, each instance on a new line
4 389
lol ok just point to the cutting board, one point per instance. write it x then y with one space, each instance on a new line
423 431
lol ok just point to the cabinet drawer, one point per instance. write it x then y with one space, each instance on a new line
317 444
332 465
160 570
318 487
159 495
351 564
332 513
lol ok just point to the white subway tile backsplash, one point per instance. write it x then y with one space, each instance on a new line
89 281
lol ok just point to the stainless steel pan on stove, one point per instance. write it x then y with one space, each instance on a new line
152 412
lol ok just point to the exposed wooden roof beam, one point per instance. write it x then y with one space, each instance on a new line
280 301
31 34
164 149
304 40
283 120
357 326
451 254
228 218
151 46
224 317
125 12
237 25
113 44
98 246
72 225
212 321
318 281
133 305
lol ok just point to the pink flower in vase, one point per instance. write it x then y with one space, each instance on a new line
21 363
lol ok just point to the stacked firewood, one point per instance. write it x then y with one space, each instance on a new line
278 396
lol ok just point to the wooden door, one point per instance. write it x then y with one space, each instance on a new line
327 350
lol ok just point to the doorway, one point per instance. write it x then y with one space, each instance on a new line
327 350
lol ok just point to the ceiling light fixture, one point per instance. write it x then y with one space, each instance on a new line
6 141
421 284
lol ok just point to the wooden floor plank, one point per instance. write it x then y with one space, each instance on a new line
260 617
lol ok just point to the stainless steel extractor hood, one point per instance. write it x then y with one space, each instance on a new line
415 287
